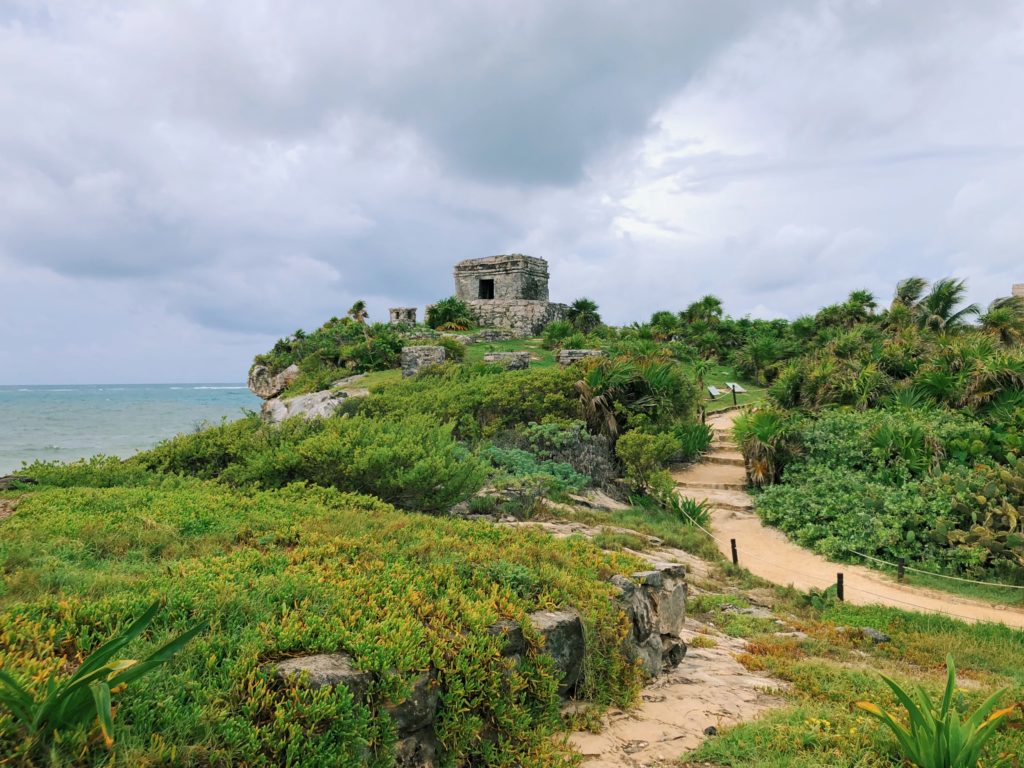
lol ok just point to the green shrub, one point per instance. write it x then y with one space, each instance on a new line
642 454
412 463
559 478
694 439
450 314
555 333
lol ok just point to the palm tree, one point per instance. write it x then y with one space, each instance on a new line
938 311
358 312
767 440
909 291
707 309
1004 320
583 314
598 390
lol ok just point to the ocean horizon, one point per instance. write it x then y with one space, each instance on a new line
67 422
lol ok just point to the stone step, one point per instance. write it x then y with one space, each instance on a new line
726 457
690 485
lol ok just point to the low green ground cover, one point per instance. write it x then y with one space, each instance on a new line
293 571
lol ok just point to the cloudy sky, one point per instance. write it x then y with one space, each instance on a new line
182 182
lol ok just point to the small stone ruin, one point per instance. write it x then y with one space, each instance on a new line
569 356
402 315
654 602
513 361
415 358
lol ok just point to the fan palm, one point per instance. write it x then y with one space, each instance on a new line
909 292
1004 320
583 314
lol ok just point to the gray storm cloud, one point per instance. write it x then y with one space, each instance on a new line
181 183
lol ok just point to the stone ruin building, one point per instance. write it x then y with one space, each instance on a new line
402 315
509 292
1018 289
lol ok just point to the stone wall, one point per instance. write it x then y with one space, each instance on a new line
520 317
1018 289
402 315
515 276
654 603
414 358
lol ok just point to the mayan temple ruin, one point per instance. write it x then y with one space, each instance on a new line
508 292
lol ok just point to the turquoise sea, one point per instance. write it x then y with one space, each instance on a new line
72 422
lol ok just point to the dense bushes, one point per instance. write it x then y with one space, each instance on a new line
338 348
923 484
289 572
479 400
412 463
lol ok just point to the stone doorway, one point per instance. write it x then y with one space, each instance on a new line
487 289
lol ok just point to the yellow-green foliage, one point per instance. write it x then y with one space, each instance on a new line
287 572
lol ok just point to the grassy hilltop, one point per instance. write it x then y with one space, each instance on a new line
891 432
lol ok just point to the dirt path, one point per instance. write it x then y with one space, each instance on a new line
708 688
720 478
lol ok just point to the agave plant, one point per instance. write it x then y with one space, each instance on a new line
86 695
935 736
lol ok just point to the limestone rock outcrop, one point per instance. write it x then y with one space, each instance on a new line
655 602
315 405
266 384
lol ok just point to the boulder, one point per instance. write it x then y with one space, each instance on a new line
327 669
414 358
562 632
513 361
266 384
567 357
315 405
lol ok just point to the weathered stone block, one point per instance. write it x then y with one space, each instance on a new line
569 356
563 641
266 384
513 361
415 358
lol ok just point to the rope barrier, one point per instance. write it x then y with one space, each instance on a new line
939 575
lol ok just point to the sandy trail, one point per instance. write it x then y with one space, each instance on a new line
766 552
